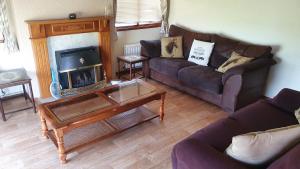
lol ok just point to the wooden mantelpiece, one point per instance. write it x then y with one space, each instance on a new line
40 30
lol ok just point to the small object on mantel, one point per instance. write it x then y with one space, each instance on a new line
72 16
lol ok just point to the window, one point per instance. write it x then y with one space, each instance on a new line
137 14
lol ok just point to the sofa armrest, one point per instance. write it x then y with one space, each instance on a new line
289 160
192 154
245 84
287 100
248 67
151 49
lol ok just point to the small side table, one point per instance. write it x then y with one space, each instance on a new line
131 60
12 78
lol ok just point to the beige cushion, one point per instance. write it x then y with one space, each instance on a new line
234 60
171 47
297 114
261 147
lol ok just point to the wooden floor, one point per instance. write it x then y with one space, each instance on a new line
146 146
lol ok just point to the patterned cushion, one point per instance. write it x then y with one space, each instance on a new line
171 47
234 60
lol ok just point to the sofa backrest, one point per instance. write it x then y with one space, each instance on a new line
287 100
223 46
188 38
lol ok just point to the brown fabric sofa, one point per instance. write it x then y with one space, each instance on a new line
236 88
205 148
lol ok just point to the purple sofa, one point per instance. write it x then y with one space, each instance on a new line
205 149
236 88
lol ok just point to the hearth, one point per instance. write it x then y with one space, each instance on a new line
78 70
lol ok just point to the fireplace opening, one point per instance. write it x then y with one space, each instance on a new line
79 70
82 78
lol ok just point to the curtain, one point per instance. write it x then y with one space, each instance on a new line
10 41
165 7
113 21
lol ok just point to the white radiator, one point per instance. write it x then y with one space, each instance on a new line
132 49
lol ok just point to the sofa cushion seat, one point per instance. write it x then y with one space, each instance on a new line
201 77
169 67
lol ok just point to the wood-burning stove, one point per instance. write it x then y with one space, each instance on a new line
79 70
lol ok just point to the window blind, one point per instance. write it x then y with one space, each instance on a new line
134 12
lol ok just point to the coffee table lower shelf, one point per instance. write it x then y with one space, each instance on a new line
92 133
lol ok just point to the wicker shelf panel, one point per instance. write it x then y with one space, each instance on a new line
101 130
131 118
84 134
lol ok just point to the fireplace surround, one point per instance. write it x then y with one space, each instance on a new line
40 30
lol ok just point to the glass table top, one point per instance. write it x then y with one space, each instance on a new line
132 58
130 90
13 75
69 108
80 106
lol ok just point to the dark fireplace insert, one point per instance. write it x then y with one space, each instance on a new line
79 70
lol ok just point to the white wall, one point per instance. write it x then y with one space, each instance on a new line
268 22
57 9
133 36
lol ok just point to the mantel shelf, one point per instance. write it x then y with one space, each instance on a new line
46 28
52 21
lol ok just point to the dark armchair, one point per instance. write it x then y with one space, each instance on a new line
205 148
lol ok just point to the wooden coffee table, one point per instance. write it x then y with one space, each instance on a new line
74 122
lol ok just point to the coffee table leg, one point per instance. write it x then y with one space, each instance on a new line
2 110
44 126
162 107
60 143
